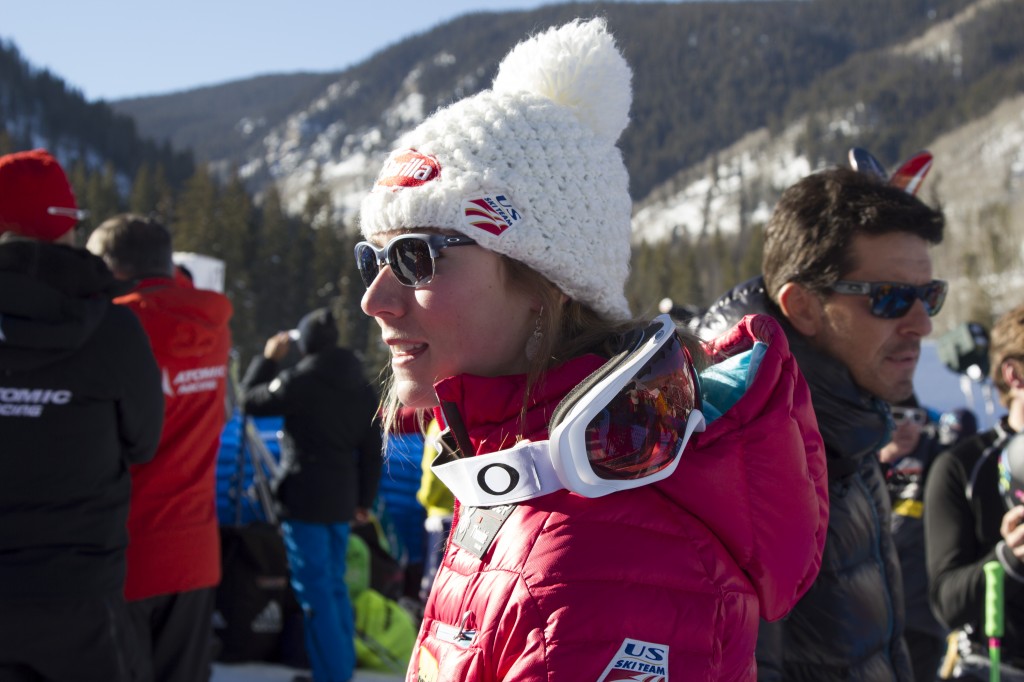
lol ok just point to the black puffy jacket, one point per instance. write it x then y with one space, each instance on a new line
849 626
331 447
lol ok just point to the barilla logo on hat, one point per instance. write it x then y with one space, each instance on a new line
493 214
408 168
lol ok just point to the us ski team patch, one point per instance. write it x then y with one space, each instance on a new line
638 662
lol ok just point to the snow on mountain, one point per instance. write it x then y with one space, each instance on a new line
977 177
737 186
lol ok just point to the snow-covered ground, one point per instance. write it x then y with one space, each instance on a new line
267 672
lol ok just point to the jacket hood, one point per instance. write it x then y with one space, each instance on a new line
52 297
757 475
317 331
188 321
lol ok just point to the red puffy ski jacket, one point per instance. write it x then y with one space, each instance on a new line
665 581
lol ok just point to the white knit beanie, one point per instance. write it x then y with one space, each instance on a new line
529 168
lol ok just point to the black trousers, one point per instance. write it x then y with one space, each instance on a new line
175 632
926 654
83 640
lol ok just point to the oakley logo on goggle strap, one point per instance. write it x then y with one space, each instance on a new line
890 300
412 257
497 479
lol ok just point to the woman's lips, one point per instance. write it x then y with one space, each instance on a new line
405 351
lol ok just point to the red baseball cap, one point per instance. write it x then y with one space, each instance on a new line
35 198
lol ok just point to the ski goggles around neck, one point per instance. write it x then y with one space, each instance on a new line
412 257
891 300
624 426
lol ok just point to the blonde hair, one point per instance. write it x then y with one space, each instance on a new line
1006 345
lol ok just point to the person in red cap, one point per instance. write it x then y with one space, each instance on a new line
174 551
35 198
80 402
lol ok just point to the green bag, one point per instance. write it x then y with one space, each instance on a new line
357 566
385 632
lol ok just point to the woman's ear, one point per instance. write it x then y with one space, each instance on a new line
1012 374
802 308
538 303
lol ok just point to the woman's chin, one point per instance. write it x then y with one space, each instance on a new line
416 395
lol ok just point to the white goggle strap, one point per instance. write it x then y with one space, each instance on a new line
505 477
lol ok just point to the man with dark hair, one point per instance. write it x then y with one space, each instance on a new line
848 273
79 402
174 548
968 522
331 456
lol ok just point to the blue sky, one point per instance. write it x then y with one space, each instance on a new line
111 49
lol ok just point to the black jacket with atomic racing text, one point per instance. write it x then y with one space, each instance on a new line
80 400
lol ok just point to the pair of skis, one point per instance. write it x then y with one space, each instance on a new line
907 177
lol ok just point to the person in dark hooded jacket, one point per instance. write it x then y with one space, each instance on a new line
331 456
848 274
80 402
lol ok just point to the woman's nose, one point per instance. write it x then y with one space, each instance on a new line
384 295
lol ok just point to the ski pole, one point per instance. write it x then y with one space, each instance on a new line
993 615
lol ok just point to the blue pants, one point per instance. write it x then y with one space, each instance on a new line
316 559
435 556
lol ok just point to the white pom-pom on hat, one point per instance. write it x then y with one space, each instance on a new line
529 169
576 66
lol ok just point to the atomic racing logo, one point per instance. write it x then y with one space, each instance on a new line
493 214
639 662
29 402
408 168
195 380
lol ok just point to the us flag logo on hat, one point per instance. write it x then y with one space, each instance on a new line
493 214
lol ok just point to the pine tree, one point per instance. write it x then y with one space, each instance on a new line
271 283
235 246
145 196
317 215
101 199
194 222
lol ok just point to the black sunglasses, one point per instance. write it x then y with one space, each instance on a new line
890 300
411 257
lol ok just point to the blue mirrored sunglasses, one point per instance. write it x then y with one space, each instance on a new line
890 300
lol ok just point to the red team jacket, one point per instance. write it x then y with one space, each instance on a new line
173 543
663 582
